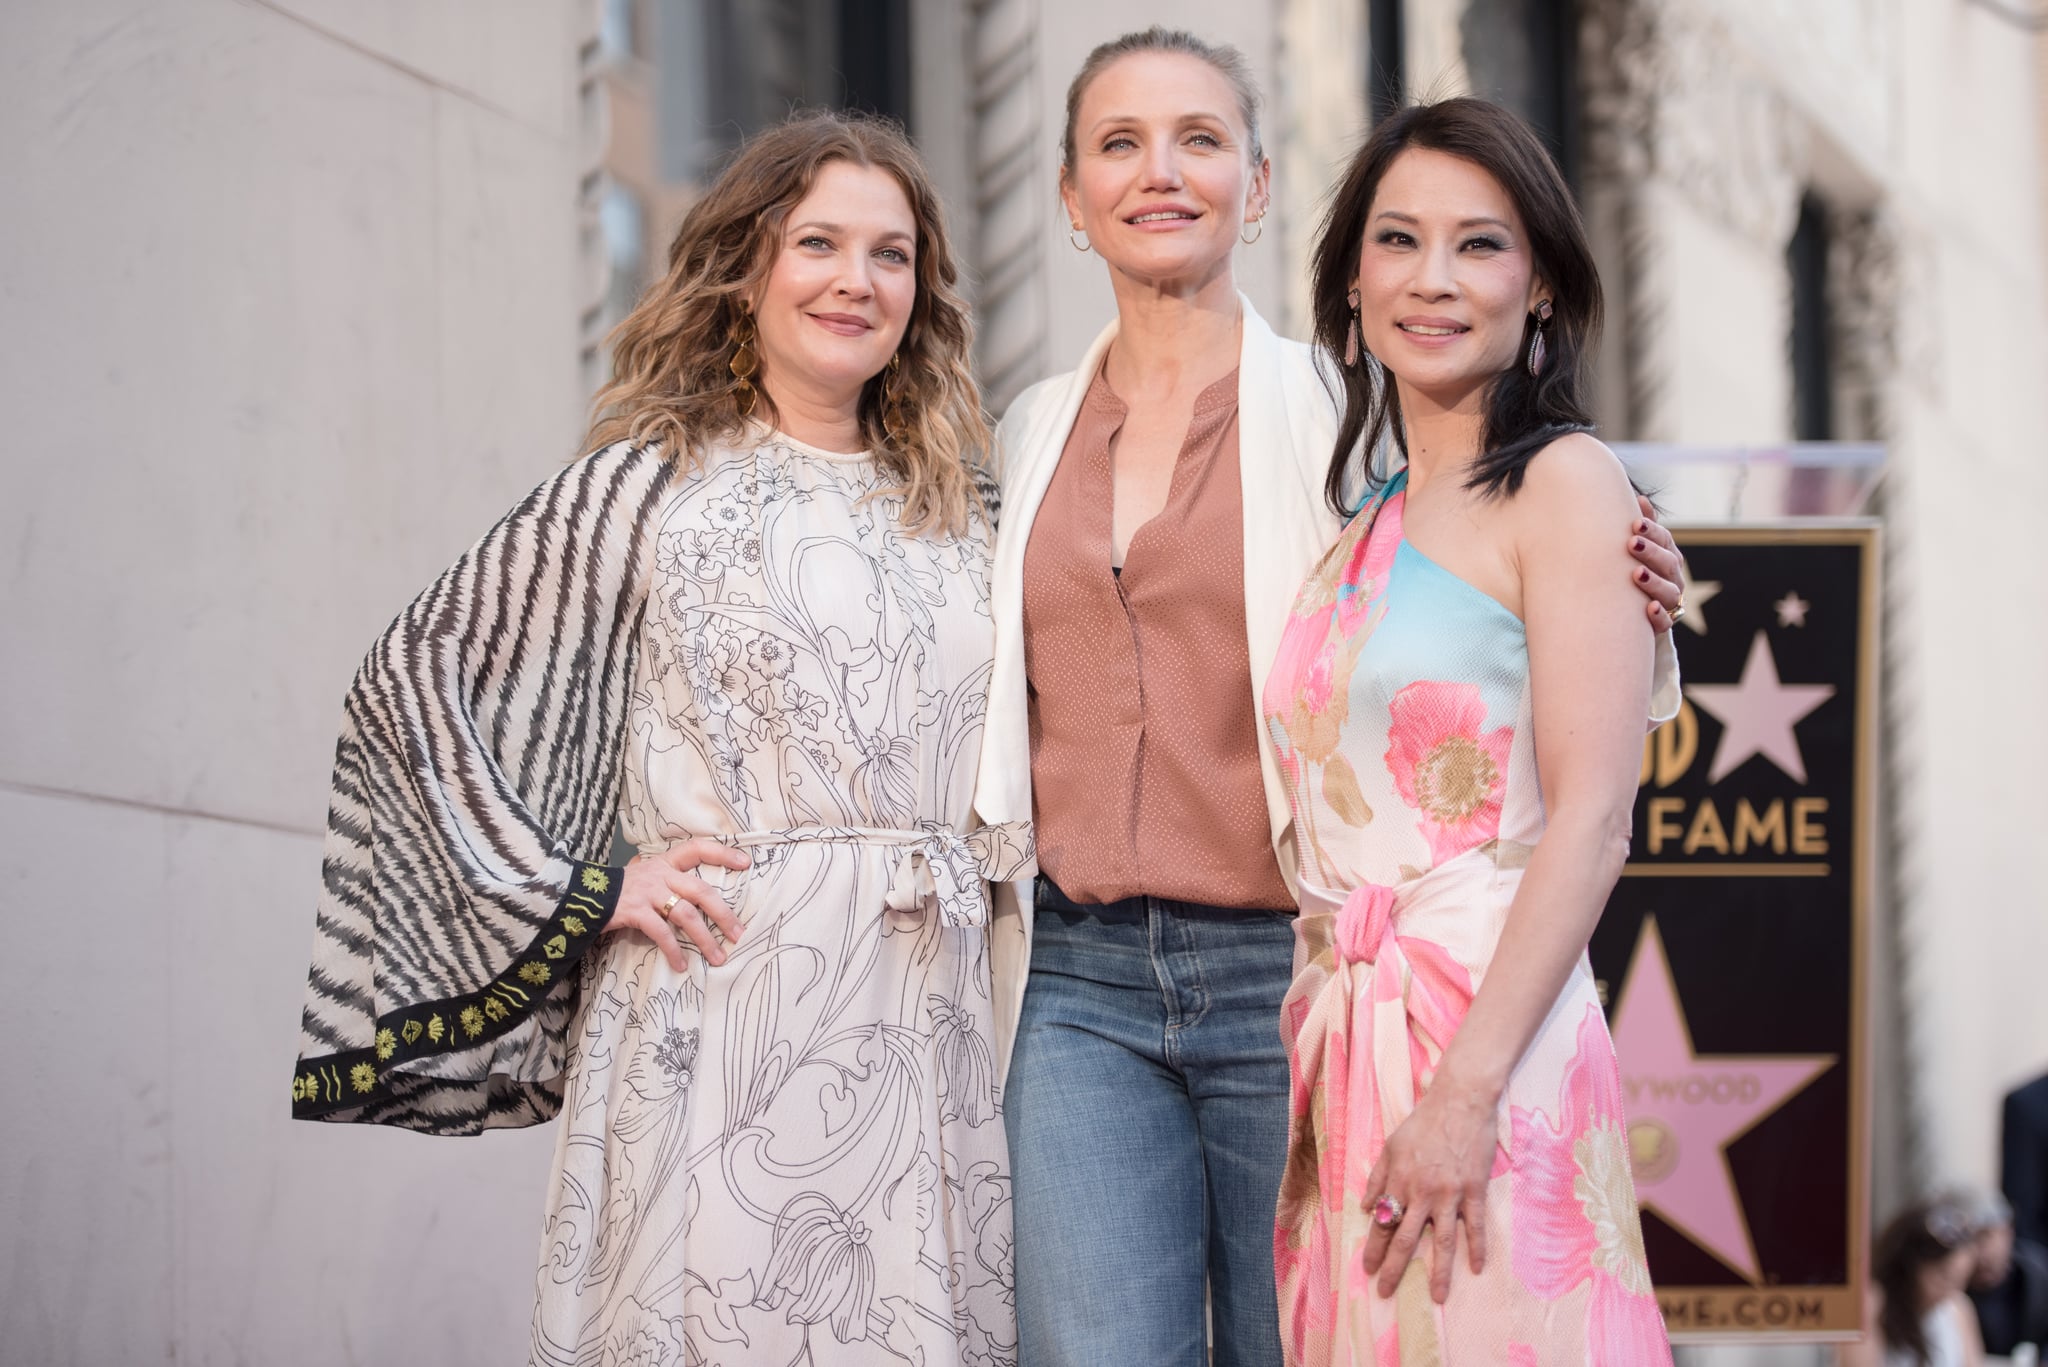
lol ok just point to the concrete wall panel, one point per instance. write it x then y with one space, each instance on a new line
504 57
161 1201
290 319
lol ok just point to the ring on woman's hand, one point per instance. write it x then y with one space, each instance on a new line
1678 612
670 904
1387 1211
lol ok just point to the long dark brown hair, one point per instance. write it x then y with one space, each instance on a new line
1922 1234
672 381
1523 414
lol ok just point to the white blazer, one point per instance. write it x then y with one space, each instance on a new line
1287 426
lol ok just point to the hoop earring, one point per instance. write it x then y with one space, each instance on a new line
1351 333
1538 352
744 365
1079 239
1258 231
894 425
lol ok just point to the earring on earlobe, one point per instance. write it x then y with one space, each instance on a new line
743 364
1078 238
1538 352
1258 231
1351 332
894 424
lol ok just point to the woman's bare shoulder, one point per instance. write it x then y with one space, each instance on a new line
1575 479
1575 464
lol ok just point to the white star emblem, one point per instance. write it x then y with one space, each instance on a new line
1792 610
1757 715
1682 1112
1695 594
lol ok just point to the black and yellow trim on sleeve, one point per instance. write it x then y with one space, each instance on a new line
359 1077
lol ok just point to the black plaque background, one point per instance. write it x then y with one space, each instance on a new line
1768 964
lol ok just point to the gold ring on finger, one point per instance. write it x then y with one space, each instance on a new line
668 907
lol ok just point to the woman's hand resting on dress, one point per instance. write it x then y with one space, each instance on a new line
652 879
1436 1163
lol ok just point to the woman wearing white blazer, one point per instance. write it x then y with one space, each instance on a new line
1161 505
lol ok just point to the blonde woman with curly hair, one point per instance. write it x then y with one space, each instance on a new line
753 622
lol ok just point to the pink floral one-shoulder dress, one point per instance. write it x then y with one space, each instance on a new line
1400 705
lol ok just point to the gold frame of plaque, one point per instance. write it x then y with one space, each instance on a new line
1734 952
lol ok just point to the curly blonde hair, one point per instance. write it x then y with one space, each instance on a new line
672 382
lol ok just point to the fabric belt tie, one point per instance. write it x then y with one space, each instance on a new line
1391 972
939 871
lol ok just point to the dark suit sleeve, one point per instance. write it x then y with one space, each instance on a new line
2024 1175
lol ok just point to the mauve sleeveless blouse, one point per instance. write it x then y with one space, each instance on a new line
1144 737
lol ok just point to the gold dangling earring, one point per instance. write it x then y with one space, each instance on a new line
1258 231
744 364
1078 239
893 424
1351 333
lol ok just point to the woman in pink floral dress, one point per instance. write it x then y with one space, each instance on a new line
1458 709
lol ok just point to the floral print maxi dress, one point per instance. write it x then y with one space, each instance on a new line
797 1156
1400 705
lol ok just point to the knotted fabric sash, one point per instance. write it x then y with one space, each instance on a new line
1382 981
1388 966
938 871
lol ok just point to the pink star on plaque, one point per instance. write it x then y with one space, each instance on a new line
1685 1108
1757 715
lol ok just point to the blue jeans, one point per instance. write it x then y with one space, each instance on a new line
1147 1115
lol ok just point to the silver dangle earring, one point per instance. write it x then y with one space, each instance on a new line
1258 231
1538 352
1351 333
1078 238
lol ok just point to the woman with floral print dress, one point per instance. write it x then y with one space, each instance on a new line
761 608
1458 707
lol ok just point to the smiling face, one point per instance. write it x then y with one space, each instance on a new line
1164 178
1446 279
839 295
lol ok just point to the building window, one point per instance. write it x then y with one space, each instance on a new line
1386 52
729 68
1806 264
1524 54
873 63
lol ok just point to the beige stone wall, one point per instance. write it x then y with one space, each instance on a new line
290 316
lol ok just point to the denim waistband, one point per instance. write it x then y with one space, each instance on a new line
1132 910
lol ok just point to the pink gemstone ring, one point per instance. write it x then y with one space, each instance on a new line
1387 1211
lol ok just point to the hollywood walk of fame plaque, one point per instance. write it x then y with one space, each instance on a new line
1731 955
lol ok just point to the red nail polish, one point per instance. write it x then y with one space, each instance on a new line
1642 576
1639 543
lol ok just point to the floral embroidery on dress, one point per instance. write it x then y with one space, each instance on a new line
1575 1197
1446 765
797 1156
